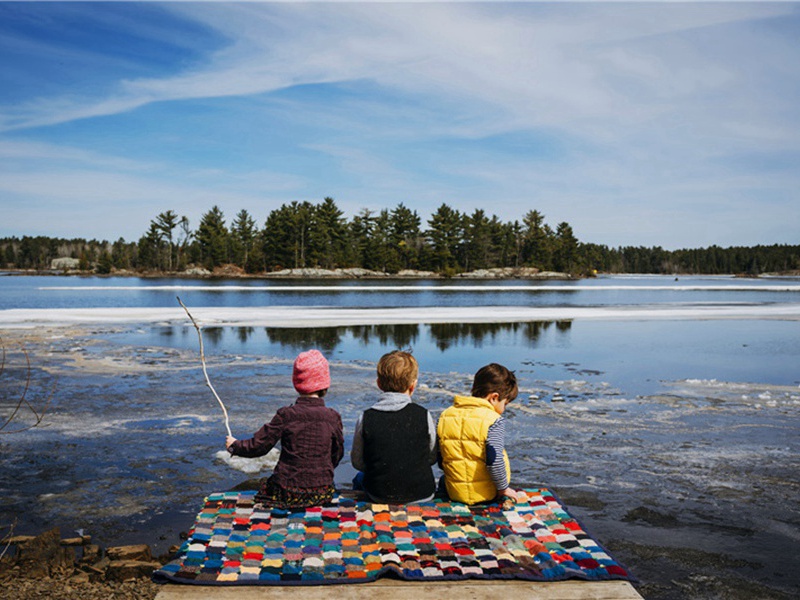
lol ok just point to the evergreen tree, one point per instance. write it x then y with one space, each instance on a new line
445 235
104 263
362 231
565 255
150 244
382 254
286 235
122 254
10 255
405 235
477 242
213 239
165 225
537 247
330 238
243 239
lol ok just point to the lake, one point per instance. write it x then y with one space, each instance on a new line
663 411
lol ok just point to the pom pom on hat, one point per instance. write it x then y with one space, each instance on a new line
311 372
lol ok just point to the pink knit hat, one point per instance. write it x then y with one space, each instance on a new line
311 372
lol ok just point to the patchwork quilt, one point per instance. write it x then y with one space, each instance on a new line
237 542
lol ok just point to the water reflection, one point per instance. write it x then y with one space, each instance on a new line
442 335
446 335
326 339
399 336
244 333
213 334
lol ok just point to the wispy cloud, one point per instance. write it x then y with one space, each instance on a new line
585 111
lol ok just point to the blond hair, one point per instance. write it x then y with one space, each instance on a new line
397 371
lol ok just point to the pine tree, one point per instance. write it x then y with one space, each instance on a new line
330 238
362 230
213 239
477 241
445 235
243 238
565 255
165 224
405 235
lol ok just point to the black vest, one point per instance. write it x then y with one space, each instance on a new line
397 454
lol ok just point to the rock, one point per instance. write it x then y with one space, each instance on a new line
76 541
80 577
197 271
136 552
413 274
19 539
228 270
43 555
64 264
91 554
94 573
125 570
512 273
358 273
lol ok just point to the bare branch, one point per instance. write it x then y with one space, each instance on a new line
6 539
23 400
203 361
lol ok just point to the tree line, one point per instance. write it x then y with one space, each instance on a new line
308 235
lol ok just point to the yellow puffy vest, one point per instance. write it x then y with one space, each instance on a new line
462 431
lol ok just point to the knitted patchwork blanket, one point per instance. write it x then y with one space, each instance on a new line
237 542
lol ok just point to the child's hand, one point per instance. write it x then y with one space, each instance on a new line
508 497
229 440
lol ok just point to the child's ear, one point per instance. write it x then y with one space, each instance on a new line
493 398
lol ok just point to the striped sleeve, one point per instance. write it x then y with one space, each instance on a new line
495 444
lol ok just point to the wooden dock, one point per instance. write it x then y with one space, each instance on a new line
395 589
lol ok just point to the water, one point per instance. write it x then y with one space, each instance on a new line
674 438
92 292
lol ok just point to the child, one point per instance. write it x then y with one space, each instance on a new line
394 444
311 438
472 439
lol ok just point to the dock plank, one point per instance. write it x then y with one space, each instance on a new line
412 590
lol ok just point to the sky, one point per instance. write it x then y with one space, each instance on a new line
670 124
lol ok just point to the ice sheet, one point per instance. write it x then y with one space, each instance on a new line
293 316
426 288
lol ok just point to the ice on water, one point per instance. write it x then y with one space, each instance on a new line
250 465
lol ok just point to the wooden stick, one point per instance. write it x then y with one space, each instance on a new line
203 361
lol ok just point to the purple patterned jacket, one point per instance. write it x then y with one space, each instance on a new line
312 443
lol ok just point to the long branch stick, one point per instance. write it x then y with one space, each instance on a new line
203 361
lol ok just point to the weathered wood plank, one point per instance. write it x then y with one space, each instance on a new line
413 590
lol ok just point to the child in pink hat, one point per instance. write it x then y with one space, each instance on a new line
311 438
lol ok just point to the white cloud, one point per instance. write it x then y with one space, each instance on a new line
649 101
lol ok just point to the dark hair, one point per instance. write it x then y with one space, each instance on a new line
495 378
320 393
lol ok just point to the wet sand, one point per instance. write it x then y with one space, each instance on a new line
694 489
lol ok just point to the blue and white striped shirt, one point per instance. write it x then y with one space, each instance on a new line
495 444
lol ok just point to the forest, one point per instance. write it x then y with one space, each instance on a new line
308 235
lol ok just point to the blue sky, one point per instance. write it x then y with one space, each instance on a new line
671 124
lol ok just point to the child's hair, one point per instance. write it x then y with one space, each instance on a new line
495 378
397 371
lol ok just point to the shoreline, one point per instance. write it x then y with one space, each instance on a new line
661 482
350 274
306 273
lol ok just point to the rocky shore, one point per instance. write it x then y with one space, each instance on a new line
47 566
232 271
